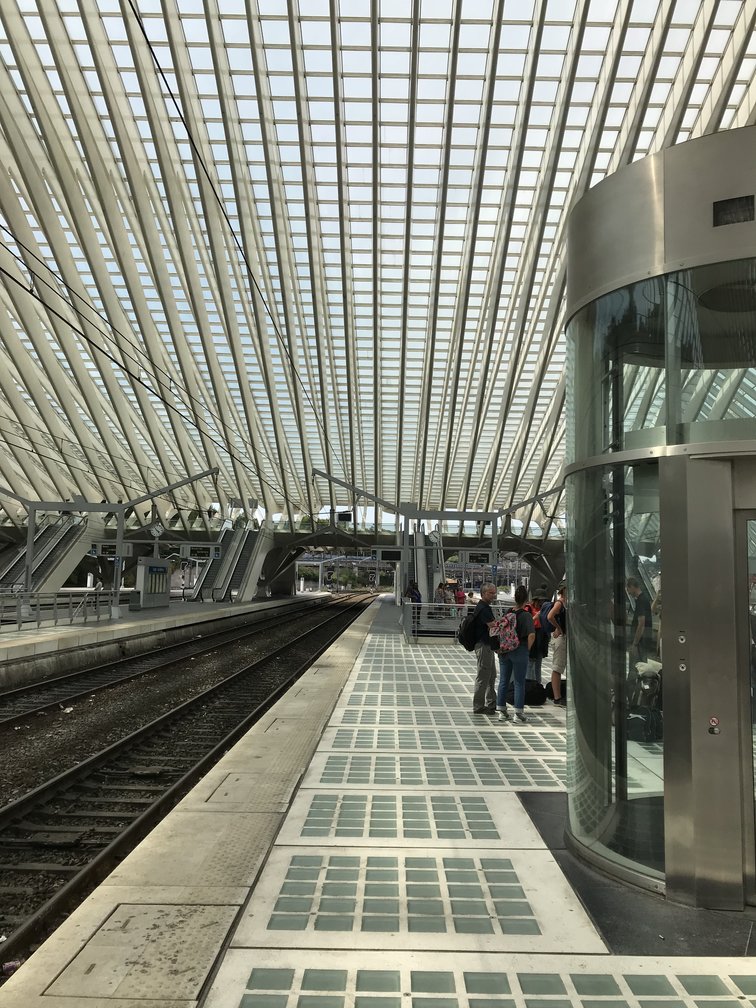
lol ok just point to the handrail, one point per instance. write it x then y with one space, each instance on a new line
22 610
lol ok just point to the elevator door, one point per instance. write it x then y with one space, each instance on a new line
746 601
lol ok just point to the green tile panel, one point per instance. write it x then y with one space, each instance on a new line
495 988
397 770
418 895
401 717
364 816
427 701
487 737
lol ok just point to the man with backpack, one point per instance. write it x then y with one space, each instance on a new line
484 694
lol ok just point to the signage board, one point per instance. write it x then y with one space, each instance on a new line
197 551
478 558
108 550
389 555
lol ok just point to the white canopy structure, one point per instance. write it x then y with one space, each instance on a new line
277 237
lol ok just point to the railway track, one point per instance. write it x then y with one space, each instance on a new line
59 840
67 689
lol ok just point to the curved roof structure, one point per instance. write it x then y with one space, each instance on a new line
278 237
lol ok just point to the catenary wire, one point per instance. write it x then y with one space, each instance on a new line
235 237
158 372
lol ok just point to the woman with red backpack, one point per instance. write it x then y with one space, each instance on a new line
515 662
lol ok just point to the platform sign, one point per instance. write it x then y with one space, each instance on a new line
193 551
478 558
108 550
388 555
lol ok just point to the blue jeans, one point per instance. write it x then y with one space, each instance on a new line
514 662
534 669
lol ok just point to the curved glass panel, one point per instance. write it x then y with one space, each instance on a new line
667 360
616 801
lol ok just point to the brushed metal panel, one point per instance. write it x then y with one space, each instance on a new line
744 484
716 449
696 175
615 233
679 833
656 216
704 825
712 668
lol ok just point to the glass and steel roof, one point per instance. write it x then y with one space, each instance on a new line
277 237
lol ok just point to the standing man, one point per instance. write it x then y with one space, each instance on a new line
641 643
484 696
412 593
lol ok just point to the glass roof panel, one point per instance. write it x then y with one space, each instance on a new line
263 268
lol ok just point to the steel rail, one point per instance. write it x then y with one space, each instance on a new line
22 936
97 678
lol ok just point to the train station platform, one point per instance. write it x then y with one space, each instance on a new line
39 651
373 844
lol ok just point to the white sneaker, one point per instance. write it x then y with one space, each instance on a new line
501 715
519 718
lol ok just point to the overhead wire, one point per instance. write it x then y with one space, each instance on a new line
11 431
232 231
151 367
85 469
221 445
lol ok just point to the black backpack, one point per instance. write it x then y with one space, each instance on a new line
535 693
466 634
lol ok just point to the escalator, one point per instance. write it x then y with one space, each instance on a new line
211 570
50 545
240 567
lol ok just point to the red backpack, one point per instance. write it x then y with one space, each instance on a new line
505 628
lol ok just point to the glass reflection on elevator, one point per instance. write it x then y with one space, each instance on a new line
616 803
663 361
751 539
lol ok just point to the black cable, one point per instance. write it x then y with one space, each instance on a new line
153 369
137 489
234 236
223 447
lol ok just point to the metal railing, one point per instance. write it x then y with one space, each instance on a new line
437 619
20 610
431 619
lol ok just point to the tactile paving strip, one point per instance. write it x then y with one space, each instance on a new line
524 773
331 818
362 900
327 980
498 738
